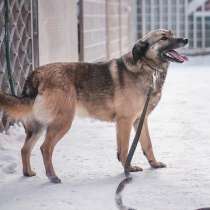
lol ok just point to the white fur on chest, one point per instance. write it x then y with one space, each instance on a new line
81 111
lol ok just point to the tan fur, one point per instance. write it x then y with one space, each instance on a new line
113 91
15 107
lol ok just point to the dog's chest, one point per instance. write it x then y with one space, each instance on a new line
158 82
81 111
154 100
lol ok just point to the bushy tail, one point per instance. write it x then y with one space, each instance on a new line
16 107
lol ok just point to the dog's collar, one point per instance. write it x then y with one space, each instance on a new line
154 67
156 71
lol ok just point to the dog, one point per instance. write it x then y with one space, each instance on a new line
113 91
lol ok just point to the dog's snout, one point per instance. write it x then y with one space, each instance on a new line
182 40
185 41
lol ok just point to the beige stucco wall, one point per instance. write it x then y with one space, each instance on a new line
58 38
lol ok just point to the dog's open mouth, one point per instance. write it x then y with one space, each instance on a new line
174 56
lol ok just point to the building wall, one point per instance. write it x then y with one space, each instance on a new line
94 30
155 14
113 30
106 29
133 22
58 37
125 26
119 31
184 17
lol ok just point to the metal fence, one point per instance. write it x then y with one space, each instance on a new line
189 18
23 41
20 17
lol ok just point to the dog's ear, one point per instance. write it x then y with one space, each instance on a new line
139 50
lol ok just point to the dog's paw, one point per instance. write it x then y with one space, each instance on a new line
134 169
155 164
54 179
29 173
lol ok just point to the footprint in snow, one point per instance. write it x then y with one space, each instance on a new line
10 168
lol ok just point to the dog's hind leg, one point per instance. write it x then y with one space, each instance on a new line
146 145
33 131
56 129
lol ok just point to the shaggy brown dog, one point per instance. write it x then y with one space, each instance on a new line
112 91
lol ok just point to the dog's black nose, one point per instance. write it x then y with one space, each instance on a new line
185 41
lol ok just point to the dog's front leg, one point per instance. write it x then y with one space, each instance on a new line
146 145
124 126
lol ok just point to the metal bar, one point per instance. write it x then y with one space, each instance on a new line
203 28
81 30
7 49
35 32
177 19
194 31
169 14
186 19
152 14
107 29
143 19
120 25
161 13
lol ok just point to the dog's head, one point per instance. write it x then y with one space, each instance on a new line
159 46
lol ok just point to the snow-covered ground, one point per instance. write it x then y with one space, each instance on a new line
86 160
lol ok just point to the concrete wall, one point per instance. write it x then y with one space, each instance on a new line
119 31
114 31
107 30
94 30
125 26
58 36
133 21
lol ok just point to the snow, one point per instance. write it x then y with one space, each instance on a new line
86 161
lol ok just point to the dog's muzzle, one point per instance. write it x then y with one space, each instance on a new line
172 54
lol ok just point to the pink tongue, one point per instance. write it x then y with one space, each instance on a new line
176 55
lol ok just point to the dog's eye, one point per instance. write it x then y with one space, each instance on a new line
164 38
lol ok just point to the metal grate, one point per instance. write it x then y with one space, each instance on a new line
23 41
23 45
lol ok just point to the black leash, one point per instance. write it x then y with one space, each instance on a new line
137 135
128 179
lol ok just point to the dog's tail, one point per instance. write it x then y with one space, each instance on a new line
20 107
15 107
